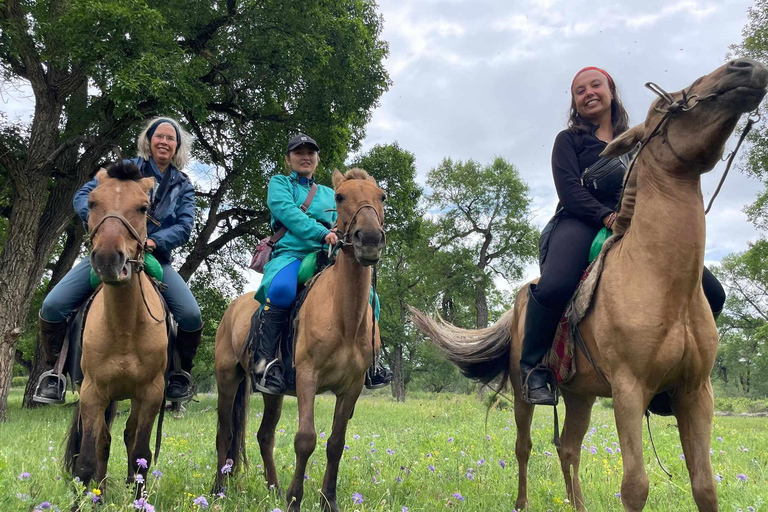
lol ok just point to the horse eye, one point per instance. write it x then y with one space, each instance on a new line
91 205
339 198
143 209
383 197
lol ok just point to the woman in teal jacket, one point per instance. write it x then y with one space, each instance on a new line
306 233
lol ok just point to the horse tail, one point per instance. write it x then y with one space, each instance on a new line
73 442
159 435
481 354
236 450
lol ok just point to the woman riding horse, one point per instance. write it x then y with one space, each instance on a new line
596 117
307 230
164 149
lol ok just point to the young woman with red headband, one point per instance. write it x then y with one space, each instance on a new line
596 117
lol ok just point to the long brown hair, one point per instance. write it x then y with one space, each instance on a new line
619 116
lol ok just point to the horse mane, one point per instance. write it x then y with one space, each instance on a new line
358 174
626 206
124 171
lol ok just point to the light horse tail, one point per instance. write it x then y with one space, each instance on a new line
480 354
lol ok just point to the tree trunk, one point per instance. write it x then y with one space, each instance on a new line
481 304
398 385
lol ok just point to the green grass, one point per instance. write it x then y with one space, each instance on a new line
446 432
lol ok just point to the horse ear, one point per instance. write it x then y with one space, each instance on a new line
102 175
338 178
625 142
147 184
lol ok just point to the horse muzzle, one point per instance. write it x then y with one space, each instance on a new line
744 84
368 244
112 267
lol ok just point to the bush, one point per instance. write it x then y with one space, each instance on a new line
740 405
19 382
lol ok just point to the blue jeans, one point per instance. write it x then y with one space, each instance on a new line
282 289
75 288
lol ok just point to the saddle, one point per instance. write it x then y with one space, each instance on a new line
68 362
561 358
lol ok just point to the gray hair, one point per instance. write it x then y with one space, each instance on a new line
183 149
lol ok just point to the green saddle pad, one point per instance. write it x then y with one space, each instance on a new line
151 266
598 242
307 268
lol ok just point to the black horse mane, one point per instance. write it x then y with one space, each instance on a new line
124 171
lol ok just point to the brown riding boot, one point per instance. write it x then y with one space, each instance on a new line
179 384
51 339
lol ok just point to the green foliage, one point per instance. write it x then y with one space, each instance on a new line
19 381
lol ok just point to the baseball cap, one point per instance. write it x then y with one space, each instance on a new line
300 140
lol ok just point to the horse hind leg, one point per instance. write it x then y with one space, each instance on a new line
305 441
345 404
273 408
694 411
232 410
578 411
523 446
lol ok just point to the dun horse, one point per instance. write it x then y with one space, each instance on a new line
124 345
332 351
649 328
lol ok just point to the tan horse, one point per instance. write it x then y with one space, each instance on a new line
332 353
124 346
649 328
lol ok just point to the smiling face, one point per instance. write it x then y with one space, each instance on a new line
303 160
163 144
592 95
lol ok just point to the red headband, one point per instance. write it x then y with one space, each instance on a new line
593 68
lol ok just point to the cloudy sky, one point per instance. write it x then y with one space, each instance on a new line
479 79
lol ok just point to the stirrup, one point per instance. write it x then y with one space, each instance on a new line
61 386
551 386
369 380
190 392
261 384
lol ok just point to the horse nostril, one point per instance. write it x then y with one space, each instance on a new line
358 236
741 64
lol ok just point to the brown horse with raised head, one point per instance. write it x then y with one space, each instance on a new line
125 341
332 352
648 328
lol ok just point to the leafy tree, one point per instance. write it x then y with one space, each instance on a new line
485 219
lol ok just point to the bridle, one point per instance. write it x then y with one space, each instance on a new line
138 262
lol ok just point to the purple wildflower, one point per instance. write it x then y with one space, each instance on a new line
322 435
470 476
24 475
742 477
398 479
142 463
356 437
609 450
44 505
357 498
346 447
201 502
481 461
429 455
432 468
618 495
94 498
139 478
682 456
405 509
548 453
450 439
227 467
720 439
389 451
373 450
502 464
719 477
306 477
488 437
157 473
458 496
593 450
142 504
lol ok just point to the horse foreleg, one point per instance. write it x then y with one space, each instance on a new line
89 465
227 383
273 408
694 411
578 410
523 446
345 404
148 408
305 440
629 402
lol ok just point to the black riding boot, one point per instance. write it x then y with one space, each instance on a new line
540 328
378 376
273 320
51 388
179 383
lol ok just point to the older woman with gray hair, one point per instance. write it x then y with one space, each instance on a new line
164 149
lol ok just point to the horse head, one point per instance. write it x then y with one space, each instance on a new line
685 132
360 207
117 221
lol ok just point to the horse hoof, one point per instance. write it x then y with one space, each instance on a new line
329 505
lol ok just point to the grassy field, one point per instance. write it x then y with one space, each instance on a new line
432 453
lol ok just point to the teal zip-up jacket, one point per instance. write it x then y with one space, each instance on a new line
306 231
